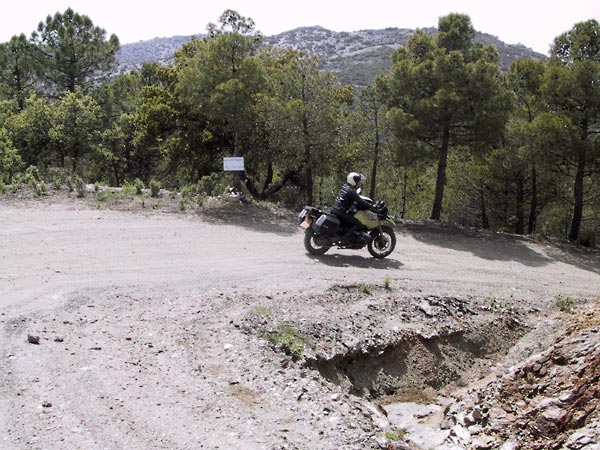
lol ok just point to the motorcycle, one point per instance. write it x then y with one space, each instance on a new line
324 230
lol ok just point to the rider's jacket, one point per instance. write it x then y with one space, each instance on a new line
346 198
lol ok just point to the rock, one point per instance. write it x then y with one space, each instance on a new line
484 443
548 423
33 339
461 433
426 308
581 439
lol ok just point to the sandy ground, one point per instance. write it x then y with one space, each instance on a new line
145 322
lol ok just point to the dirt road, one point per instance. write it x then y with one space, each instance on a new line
145 322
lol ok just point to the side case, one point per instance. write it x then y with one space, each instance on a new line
327 224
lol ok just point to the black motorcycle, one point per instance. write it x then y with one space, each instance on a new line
323 230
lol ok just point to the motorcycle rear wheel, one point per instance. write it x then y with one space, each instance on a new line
315 244
383 244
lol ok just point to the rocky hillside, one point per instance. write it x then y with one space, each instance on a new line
355 57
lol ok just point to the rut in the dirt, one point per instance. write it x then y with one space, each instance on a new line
414 367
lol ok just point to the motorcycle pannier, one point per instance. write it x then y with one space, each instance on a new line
327 224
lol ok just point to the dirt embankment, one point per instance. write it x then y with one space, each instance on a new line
149 327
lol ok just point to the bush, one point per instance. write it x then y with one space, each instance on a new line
154 188
104 196
139 186
40 189
288 339
587 239
31 177
79 187
565 303
214 184
128 189
58 176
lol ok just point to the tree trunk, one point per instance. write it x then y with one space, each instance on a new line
485 221
307 148
268 177
531 226
578 201
237 183
440 181
309 185
375 159
520 206
404 189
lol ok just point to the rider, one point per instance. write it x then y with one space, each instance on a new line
347 197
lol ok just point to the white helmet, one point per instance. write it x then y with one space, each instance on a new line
354 178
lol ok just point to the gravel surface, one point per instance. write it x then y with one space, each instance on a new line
143 328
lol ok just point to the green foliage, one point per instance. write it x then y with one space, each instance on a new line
261 311
154 188
567 133
57 176
105 195
17 69
80 187
139 186
73 133
365 289
10 159
214 184
288 339
31 177
72 52
128 190
29 131
587 238
435 130
565 303
387 284
395 435
445 94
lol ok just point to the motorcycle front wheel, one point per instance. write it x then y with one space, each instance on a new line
383 244
315 244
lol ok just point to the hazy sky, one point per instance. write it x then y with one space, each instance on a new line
534 23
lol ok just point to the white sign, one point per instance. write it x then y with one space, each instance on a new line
233 164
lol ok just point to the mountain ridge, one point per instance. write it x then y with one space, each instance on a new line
355 57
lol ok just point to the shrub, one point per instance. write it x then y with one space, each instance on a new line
139 186
154 188
128 189
79 187
103 196
40 189
288 339
587 239
214 184
387 284
31 177
565 303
